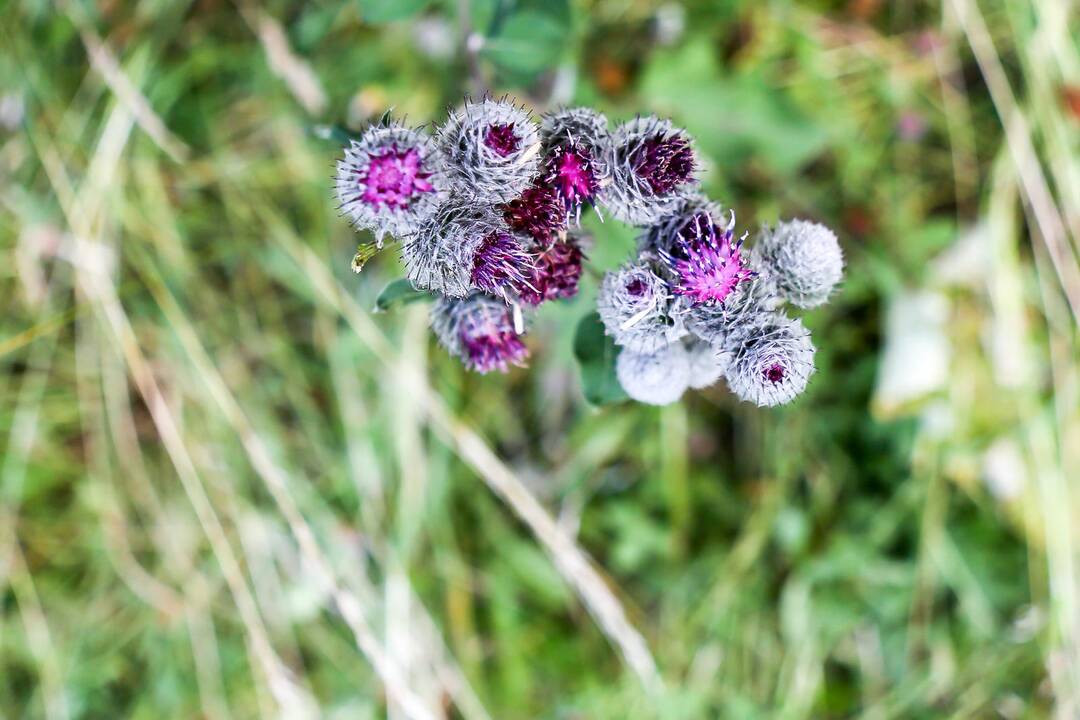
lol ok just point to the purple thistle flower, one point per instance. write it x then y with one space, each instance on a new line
393 177
480 331
571 171
537 213
578 143
706 264
555 274
491 344
500 263
664 161
491 149
461 245
389 181
652 164
500 138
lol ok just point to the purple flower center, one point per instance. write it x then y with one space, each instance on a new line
537 213
774 373
555 274
664 162
499 262
572 176
637 287
490 342
393 178
501 139
706 264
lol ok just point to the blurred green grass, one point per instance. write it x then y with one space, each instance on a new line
199 415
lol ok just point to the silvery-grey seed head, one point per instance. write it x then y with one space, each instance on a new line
491 149
390 180
748 301
479 330
656 378
637 310
771 362
447 252
652 164
707 362
804 259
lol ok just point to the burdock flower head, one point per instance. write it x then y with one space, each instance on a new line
390 180
804 261
705 263
555 272
637 310
656 378
771 362
577 142
491 149
652 165
480 331
465 247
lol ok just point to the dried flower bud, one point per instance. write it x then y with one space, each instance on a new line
538 213
655 378
804 260
390 180
707 362
491 149
652 166
555 272
637 309
465 247
480 331
771 362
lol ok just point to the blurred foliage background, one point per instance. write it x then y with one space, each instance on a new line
230 489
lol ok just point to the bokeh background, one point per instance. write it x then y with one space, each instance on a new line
231 489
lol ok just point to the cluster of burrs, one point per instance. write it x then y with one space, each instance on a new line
486 210
695 306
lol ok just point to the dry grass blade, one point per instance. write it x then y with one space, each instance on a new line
1051 227
104 61
570 559
276 479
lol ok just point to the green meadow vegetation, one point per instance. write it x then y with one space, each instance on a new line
231 488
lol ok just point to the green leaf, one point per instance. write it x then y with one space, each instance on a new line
595 353
528 42
397 293
381 11
733 117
